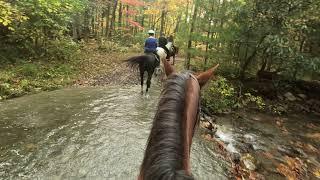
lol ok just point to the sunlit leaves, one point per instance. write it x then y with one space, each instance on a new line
44 17
133 2
9 15
317 173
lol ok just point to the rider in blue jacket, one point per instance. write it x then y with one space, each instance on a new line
151 43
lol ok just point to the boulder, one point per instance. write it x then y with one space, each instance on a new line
290 96
249 162
302 96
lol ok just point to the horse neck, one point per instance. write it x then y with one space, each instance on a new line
190 118
168 148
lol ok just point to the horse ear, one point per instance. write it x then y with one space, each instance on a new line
167 67
204 77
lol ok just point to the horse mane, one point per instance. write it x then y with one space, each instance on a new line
163 157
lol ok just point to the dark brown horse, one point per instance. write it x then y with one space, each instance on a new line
167 156
148 63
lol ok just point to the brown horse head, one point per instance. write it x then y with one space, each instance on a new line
167 155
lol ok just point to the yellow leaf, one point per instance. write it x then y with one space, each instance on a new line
314 136
317 173
5 23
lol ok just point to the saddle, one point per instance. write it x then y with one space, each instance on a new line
155 55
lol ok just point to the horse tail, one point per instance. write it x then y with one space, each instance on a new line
137 61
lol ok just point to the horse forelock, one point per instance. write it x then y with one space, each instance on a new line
164 155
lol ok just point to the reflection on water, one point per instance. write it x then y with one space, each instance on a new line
86 132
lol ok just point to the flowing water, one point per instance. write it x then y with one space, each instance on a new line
89 133
271 139
101 133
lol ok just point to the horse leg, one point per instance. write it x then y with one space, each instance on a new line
141 78
150 73
174 59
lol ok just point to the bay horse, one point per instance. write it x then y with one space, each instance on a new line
148 63
167 155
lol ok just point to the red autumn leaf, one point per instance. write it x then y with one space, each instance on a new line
135 24
133 2
130 12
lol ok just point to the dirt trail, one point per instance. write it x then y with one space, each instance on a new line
99 68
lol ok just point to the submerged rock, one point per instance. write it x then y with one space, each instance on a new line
236 157
244 147
302 96
281 98
208 122
208 118
290 151
209 126
249 162
290 96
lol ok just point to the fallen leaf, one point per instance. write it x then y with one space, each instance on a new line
317 173
311 148
314 136
268 155
293 169
256 176
279 123
207 137
311 125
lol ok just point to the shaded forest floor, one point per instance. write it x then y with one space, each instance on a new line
93 67
99 68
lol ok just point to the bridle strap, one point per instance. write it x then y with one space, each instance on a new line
199 105
193 77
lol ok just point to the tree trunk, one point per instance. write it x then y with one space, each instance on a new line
187 12
176 29
107 21
120 15
113 19
250 58
193 21
101 24
96 24
86 31
207 47
143 17
75 35
208 36
92 21
127 17
162 23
